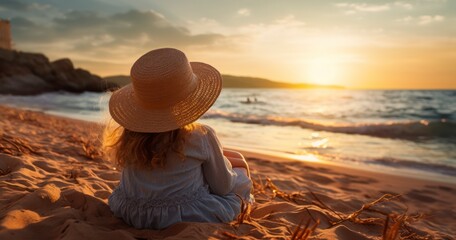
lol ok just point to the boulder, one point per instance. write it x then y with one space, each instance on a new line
63 64
36 62
20 80
31 73
26 84
6 55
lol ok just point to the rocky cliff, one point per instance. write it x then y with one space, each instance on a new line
24 73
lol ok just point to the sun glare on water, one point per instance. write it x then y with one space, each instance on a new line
307 158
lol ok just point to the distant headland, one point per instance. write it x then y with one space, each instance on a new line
230 81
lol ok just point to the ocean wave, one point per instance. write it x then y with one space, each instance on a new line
408 130
423 97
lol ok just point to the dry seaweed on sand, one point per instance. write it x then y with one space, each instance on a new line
391 232
302 231
354 216
15 146
246 209
90 148
396 225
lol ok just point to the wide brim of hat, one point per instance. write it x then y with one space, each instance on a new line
128 113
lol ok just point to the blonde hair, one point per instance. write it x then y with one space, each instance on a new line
143 150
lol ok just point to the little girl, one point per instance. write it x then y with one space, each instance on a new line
173 169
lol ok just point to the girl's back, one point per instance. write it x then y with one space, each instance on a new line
197 188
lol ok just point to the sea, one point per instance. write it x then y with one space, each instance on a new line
405 132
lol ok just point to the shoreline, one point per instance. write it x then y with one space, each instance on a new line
283 156
54 181
311 158
430 158
387 179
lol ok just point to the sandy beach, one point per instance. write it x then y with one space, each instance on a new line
54 184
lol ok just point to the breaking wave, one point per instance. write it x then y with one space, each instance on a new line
409 130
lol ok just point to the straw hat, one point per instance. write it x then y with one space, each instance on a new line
166 92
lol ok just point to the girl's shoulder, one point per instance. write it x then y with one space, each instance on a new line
200 129
207 134
202 134
199 140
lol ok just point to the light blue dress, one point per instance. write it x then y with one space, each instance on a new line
200 188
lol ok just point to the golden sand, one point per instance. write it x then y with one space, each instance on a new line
54 184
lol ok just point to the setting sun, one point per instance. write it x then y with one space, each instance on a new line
324 71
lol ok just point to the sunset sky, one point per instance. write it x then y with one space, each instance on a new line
357 44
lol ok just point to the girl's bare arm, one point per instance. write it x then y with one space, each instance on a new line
237 160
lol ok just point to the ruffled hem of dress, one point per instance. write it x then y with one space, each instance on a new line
201 206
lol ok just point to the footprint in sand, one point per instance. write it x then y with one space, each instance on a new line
444 188
46 166
347 178
319 178
421 195
347 189
342 232
109 176
9 164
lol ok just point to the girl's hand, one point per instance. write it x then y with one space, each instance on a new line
237 160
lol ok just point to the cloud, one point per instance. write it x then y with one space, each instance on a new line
404 5
13 5
279 26
289 21
93 35
351 8
426 19
407 19
243 12
18 5
205 25
421 20
435 1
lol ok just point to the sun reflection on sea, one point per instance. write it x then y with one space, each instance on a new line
322 143
307 157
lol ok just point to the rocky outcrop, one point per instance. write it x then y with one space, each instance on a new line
24 73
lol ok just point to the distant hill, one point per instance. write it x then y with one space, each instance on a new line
230 81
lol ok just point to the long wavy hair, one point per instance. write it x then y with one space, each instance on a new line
142 150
